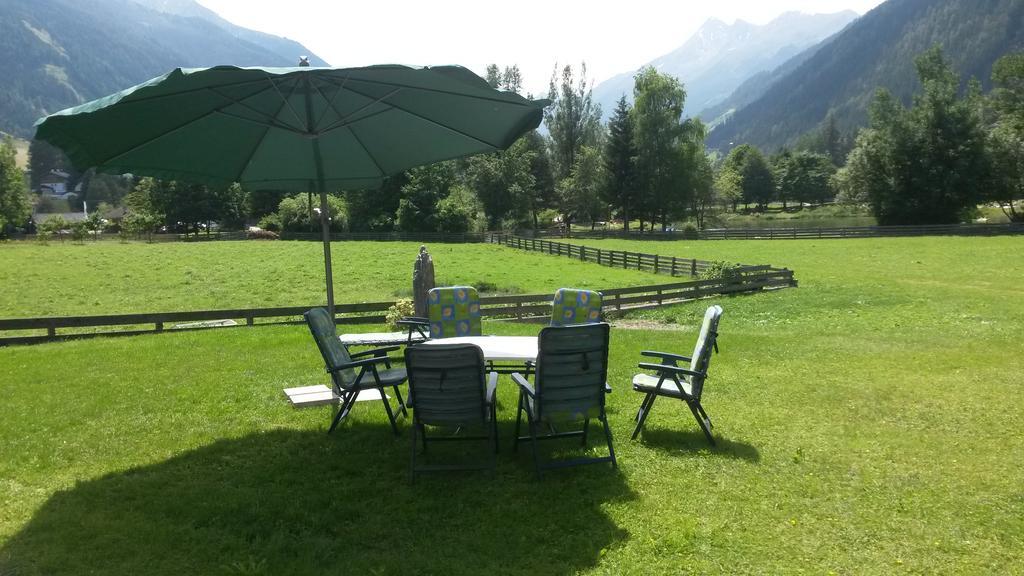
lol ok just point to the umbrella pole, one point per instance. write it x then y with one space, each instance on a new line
325 230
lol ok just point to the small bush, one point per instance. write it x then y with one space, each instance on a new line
721 270
402 308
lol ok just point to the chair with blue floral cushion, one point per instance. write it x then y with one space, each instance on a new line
573 306
453 311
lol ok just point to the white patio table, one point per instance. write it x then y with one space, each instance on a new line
517 350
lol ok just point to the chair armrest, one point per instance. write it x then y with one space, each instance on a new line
375 352
665 368
359 363
524 385
492 386
665 355
413 322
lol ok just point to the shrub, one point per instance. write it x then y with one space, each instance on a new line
720 270
270 222
79 231
401 309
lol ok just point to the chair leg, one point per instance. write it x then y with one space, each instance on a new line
494 426
533 442
705 425
387 408
644 413
705 415
519 417
608 436
347 400
401 403
643 406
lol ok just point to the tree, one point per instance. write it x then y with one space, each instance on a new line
1006 150
141 216
542 196
803 177
94 223
758 180
460 211
657 111
504 183
186 205
374 210
729 185
573 120
427 186
755 183
295 214
1008 77
14 204
1006 136
702 181
620 163
925 165
580 192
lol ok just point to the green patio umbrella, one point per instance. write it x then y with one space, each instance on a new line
300 129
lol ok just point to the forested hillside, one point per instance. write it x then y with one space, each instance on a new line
877 50
58 53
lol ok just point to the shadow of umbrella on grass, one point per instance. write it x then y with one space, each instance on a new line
299 129
291 502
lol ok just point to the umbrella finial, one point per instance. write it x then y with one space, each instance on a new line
303 61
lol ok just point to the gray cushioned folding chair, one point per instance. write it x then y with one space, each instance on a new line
342 367
570 387
449 388
674 381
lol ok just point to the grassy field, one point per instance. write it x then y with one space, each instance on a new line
110 278
868 422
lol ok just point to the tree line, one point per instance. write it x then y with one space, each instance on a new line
931 162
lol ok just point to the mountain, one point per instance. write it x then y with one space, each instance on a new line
58 53
720 56
877 50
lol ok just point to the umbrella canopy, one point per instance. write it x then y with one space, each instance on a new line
298 129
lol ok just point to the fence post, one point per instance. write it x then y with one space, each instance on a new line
598 256
250 320
159 326
674 266
693 267
625 259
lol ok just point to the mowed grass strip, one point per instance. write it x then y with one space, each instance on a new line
865 426
113 278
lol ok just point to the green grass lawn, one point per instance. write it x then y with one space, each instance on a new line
869 422
113 278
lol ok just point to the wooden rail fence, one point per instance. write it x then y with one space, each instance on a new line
514 306
797 233
656 263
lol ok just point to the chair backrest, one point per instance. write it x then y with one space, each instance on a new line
701 359
334 352
573 306
453 311
447 384
572 370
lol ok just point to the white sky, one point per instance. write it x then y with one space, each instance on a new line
611 37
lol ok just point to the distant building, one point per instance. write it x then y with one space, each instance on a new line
56 184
